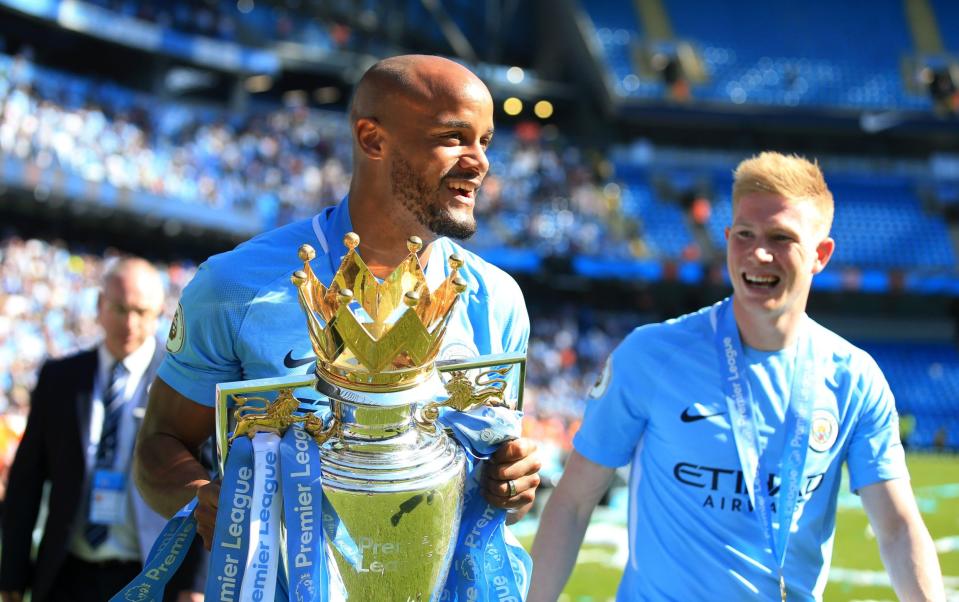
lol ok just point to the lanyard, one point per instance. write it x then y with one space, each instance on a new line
744 422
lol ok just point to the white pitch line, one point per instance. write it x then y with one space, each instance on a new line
947 544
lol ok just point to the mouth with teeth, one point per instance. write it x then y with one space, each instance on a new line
464 191
761 282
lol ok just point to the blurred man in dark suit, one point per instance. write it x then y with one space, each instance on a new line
84 415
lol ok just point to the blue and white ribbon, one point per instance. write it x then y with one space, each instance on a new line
165 557
231 539
488 564
259 579
744 422
302 506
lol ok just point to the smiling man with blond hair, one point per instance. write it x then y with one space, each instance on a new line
736 421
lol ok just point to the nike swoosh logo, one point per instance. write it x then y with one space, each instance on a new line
290 362
687 417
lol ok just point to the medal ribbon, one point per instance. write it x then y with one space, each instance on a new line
744 422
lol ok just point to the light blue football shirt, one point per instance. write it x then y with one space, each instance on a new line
240 319
692 532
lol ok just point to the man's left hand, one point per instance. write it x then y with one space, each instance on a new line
511 476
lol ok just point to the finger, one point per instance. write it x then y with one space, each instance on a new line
529 465
209 494
501 489
206 511
498 494
514 450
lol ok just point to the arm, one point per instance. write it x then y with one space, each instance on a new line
904 542
165 465
563 525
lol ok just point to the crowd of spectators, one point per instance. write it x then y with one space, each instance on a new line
284 163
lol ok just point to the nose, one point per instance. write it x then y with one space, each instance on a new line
474 158
762 254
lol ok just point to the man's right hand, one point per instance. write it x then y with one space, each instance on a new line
11 596
208 500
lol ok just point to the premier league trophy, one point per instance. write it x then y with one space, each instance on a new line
371 495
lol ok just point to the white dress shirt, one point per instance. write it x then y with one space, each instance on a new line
122 541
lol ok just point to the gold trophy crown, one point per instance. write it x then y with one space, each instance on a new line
376 336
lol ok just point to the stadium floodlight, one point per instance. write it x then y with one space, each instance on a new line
543 109
258 83
512 106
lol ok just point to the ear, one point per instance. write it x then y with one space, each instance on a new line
824 251
369 137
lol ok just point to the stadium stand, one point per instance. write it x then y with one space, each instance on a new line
760 52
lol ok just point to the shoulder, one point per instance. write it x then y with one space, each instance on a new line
684 332
80 360
257 263
842 356
482 277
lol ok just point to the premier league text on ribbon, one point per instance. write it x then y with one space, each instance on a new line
303 511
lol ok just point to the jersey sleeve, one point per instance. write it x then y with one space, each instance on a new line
875 451
516 335
615 416
201 345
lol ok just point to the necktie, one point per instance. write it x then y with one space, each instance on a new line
95 533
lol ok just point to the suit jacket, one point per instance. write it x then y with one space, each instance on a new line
53 450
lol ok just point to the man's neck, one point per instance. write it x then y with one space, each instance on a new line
767 331
383 235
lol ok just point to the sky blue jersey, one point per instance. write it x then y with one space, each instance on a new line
693 534
239 318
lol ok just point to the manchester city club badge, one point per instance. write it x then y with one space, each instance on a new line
823 431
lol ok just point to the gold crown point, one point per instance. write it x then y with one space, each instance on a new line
456 262
298 277
344 296
306 253
459 285
411 298
414 244
351 240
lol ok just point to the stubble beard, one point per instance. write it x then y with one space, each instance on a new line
416 194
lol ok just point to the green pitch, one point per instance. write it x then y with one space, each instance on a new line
857 572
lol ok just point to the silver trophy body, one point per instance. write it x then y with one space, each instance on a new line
393 483
393 498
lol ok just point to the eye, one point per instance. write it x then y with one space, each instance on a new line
743 234
452 137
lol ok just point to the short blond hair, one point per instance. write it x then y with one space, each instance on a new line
789 176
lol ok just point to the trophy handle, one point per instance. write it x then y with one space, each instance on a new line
254 417
486 389
490 361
